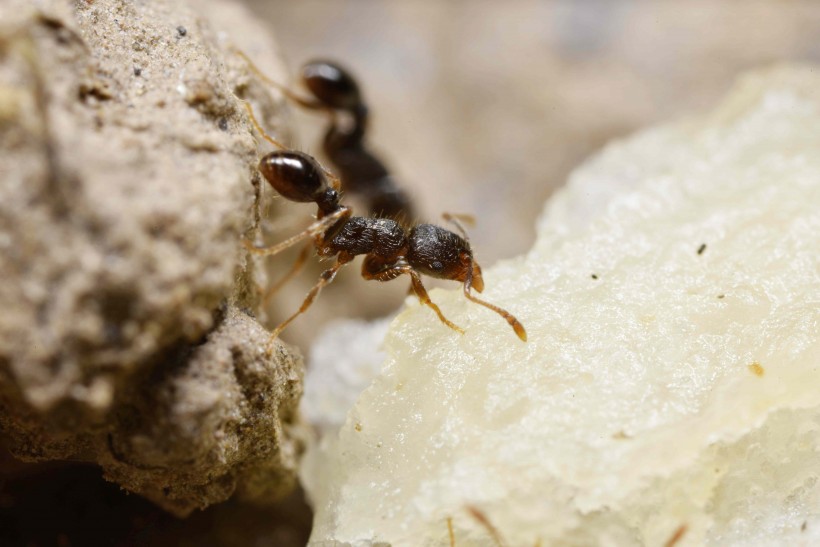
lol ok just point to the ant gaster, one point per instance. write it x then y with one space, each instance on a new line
390 248
335 91
361 172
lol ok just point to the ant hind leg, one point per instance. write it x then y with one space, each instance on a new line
324 279
297 265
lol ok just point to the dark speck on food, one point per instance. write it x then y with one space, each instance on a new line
223 124
594 276
137 71
182 30
701 248
721 296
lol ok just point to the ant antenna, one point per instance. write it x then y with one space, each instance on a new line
508 317
457 219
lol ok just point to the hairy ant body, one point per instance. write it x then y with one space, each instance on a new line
390 248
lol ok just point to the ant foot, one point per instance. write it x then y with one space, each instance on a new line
271 344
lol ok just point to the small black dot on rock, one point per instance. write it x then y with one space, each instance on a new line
182 30
594 276
701 248
137 71
223 124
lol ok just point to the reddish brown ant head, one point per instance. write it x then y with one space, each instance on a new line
332 85
298 177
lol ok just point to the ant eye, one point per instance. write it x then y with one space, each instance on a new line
295 175
332 85
437 266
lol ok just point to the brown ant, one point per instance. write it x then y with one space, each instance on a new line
390 249
335 91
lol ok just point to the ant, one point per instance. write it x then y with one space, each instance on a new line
335 91
391 249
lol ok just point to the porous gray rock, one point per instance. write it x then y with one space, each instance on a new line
127 331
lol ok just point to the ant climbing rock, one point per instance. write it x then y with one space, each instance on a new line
390 249
390 245
335 91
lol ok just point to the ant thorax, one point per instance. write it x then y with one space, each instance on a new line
363 235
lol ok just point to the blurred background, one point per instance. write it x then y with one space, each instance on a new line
485 107
480 107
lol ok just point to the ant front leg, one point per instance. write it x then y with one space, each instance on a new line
376 268
297 265
326 278
311 104
316 229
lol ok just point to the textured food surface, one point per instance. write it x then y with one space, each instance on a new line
668 390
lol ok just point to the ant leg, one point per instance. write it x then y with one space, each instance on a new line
508 317
316 229
258 126
375 268
450 532
300 261
421 292
327 277
482 519
301 101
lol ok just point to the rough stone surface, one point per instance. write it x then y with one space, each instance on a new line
668 388
128 182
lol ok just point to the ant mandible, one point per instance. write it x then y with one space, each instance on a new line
390 248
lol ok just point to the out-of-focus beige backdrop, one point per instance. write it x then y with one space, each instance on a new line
486 106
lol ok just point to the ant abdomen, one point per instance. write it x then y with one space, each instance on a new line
298 177
332 85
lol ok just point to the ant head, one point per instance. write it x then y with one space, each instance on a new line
332 85
443 254
298 177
